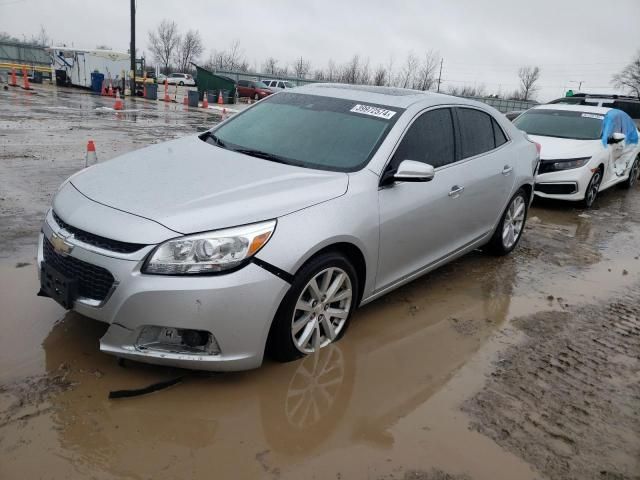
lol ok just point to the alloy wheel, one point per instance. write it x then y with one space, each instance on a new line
635 171
592 189
321 310
513 222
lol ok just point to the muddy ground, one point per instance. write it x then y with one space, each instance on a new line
524 367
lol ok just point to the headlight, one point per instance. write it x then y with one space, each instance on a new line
209 252
557 165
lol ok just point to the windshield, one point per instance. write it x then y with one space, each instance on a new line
561 124
309 131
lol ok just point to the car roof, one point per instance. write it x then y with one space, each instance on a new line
572 108
390 96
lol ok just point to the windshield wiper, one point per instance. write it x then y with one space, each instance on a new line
260 154
213 137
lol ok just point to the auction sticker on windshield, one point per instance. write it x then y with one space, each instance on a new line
592 115
373 111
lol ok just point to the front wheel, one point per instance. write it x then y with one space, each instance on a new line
511 225
592 189
317 308
633 174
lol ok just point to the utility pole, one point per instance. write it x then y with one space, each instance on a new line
132 48
440 74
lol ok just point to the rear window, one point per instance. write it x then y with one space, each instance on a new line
561 124
310 131
476 132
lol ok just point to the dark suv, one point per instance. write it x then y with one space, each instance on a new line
629 105
252 89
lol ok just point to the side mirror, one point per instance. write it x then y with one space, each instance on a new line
616 138
412 171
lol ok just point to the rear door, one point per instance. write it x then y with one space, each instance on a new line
484 147
423 222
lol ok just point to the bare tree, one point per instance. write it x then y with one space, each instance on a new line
230 59
42 38
389 81
426 75
380 76
408 71
163 43
301 67
270 66
331 71
468 90
629 77
350 70
188 50
528 78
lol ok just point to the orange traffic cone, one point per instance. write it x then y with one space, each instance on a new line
110 91
118 104
14 81
220 102
91 157
166 91
25 79
205 101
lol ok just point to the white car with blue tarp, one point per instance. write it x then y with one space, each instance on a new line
584 150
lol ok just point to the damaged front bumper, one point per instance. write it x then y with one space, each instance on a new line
236 309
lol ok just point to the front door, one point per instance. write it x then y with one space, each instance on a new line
421 222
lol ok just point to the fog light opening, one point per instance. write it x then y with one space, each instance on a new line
177 340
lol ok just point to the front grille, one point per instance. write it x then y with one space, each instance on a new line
98 241
93 282
557 188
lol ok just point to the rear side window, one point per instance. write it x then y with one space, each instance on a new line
476 132
498 135
430 140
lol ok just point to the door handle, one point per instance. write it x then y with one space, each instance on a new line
456 190
507 169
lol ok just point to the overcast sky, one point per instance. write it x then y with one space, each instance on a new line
481 41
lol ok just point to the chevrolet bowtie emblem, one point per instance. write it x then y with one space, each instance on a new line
60 244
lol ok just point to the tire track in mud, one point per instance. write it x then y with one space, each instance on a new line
567 400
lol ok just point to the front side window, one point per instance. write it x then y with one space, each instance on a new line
476 132
561 124
309 131
429 140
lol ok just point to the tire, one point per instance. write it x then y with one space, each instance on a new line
256 97
301 325
181 84
633 174
592 189
511 225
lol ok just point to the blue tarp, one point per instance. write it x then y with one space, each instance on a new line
616 121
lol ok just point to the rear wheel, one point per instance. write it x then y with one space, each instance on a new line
511 225
317 308
633 174
592 189
181 83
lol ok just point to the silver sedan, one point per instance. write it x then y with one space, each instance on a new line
263 234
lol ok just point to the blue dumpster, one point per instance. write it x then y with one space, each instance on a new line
193 98
151 91
96 81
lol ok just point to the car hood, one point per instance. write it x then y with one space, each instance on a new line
190 186
559 148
